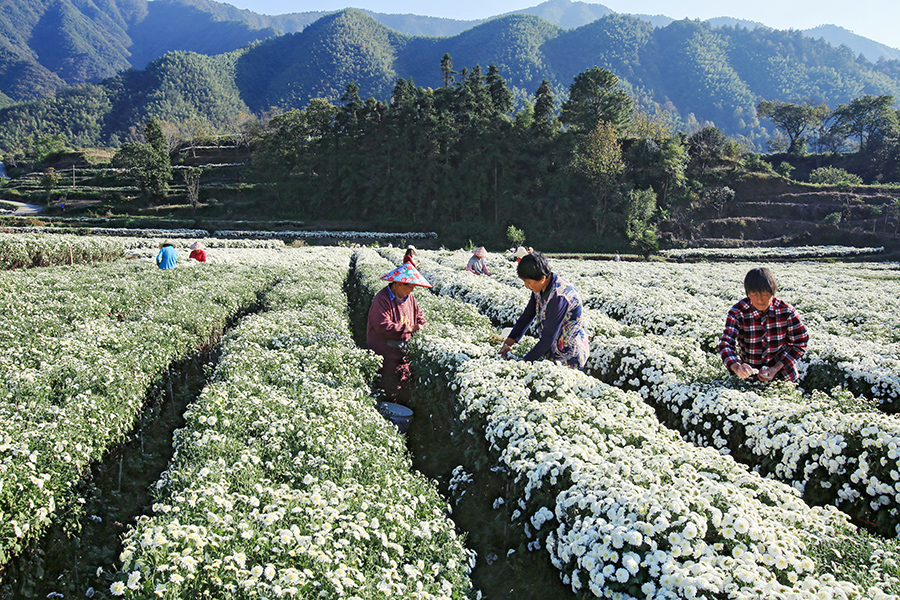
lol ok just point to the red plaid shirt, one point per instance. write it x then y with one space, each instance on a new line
764 338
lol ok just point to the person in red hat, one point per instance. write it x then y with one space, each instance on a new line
394 317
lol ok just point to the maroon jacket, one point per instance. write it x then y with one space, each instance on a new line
391 320
390 324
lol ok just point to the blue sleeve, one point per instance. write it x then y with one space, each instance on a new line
525 320
553 321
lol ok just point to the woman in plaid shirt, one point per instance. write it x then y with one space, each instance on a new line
764 336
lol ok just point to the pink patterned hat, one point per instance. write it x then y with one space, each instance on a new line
406 273
480 252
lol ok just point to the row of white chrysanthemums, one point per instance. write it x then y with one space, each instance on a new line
286 481
33 250
834 449
624 507
41 250
79 349
240 234
763 253
850 310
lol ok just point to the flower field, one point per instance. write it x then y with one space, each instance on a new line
653 474
34 250
767 253
286 481
631 508
81 347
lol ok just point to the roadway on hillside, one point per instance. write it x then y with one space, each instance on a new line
22 209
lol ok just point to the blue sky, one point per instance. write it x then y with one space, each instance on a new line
875 19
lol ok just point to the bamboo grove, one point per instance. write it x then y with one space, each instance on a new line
458 154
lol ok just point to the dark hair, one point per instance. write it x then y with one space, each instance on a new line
409 252
533 266
760 279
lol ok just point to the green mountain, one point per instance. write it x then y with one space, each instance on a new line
194 26
837 36
288 71
690 70
47 45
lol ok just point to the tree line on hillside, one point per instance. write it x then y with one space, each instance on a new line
596 167
867 125
457 154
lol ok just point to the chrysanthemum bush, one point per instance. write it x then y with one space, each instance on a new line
286 481
849 310
623 507
835 449
113 231
81 348
35 250
786 253
650 364
868 368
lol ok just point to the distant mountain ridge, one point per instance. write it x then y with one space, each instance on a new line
837 36
47 46
688 72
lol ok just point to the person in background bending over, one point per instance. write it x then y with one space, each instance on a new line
558 306
167 255
764 336
477 262
408 257
198 252
393 317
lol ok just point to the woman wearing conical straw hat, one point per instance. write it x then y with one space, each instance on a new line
394 317
167 256
198 251
477 262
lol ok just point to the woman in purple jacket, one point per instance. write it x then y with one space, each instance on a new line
558 306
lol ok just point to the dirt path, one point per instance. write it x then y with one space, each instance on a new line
22 208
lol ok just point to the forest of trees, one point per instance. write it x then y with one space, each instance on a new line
595 165
694 74
457 154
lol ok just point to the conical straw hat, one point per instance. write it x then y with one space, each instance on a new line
406 273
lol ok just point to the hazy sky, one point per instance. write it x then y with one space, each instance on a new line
878 20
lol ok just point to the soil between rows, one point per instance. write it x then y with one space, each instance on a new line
78 556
